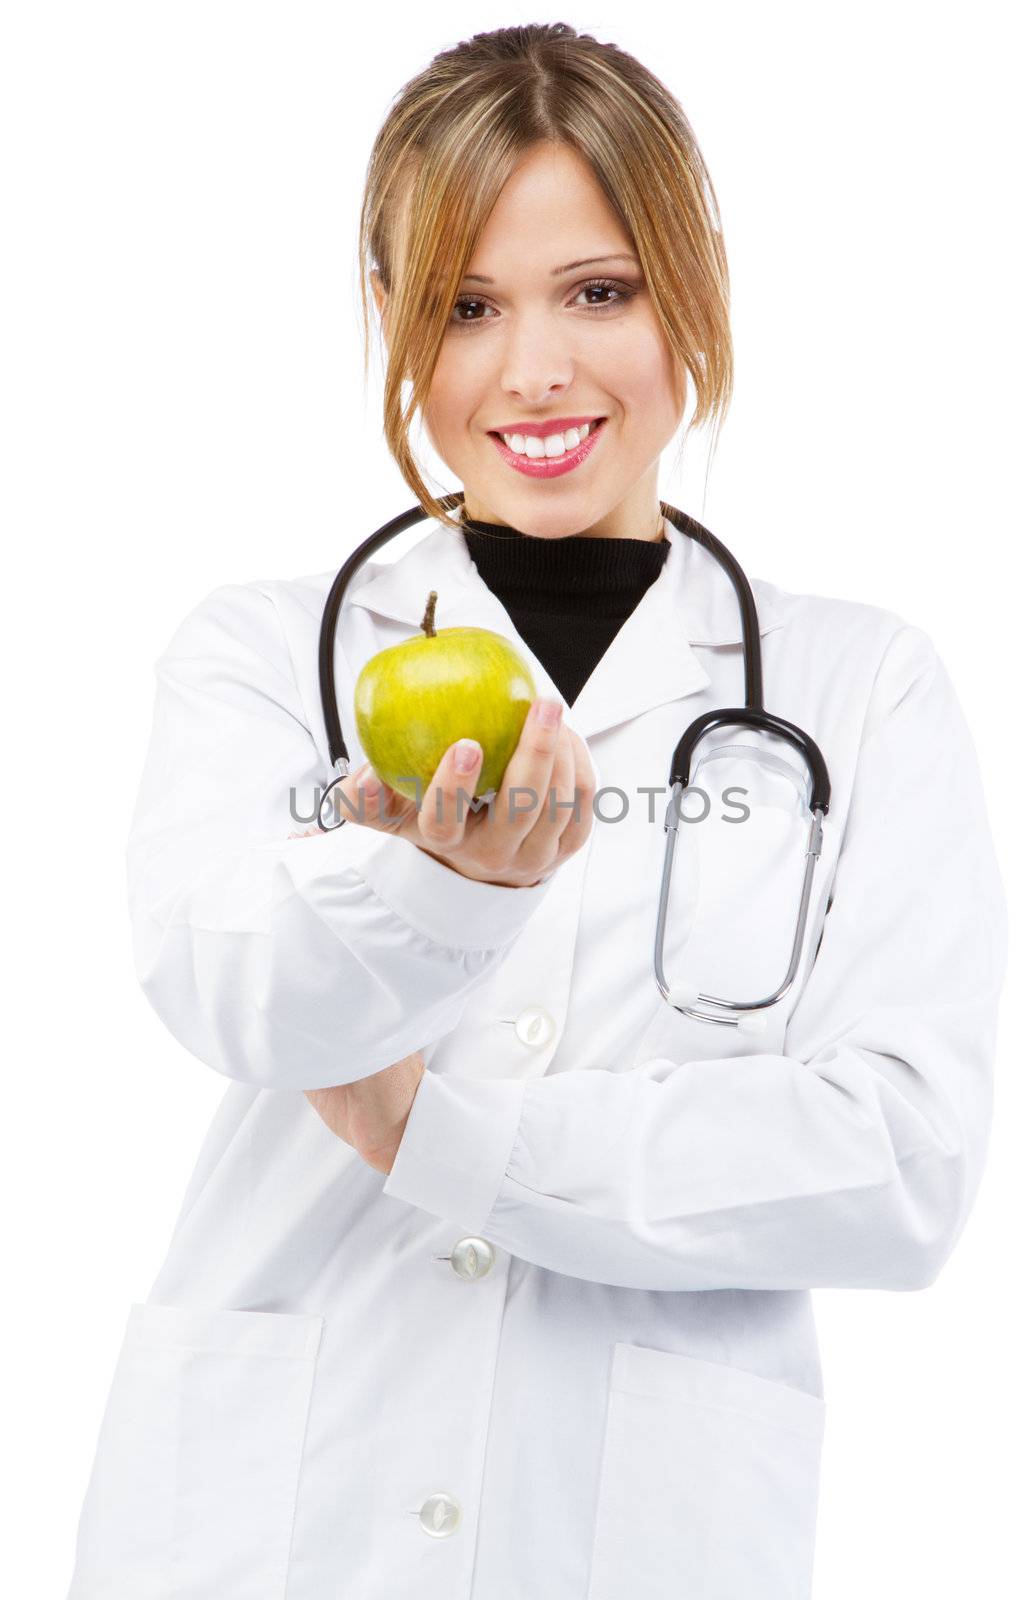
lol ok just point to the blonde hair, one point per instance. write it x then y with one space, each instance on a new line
453 136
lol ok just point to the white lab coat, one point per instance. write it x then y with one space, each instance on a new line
565 1350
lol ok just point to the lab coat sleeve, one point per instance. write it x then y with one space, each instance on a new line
290 963
849 1161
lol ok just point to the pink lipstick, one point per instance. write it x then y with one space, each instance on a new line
549 466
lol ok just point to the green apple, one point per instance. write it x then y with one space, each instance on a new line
415 699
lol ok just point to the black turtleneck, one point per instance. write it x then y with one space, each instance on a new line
569 597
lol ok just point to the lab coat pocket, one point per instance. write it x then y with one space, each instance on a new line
196 1471
709 1482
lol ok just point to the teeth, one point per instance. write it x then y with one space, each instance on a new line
556 444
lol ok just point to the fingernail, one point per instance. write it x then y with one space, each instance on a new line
467 754
367 780
548 712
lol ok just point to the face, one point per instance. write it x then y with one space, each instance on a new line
537 347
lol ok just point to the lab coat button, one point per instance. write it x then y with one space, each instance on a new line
439 1516
472 1258
534 1027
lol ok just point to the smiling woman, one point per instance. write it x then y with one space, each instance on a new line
554 238
493 1276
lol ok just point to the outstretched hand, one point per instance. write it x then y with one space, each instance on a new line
509 842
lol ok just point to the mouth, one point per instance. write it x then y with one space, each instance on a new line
531 458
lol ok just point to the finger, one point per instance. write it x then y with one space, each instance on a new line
445 806
581 816
528 772
361 798
540 845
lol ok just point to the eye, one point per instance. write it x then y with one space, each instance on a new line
621 293
466 303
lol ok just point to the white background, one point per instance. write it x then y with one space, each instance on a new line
183 407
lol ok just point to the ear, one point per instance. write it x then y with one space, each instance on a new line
379 291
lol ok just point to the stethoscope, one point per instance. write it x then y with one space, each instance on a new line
752 714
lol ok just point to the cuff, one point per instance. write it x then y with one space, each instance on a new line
443 905
456 1146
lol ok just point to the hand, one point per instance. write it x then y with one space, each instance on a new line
511 842
371 1114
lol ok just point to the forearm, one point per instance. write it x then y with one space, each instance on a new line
311 962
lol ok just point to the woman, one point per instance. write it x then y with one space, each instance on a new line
493 1277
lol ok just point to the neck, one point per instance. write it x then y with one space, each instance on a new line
605 529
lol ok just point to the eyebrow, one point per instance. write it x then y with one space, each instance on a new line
557 272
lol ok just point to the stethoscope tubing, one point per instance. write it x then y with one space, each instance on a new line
752 714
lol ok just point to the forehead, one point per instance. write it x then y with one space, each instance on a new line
551 218
554 206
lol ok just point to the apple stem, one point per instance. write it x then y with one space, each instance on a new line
427 623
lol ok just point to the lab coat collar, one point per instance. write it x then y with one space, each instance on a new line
650 662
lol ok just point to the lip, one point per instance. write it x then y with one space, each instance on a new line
550 467
541 430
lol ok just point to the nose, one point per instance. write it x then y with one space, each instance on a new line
537 363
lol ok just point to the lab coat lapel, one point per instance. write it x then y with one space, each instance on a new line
651 660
